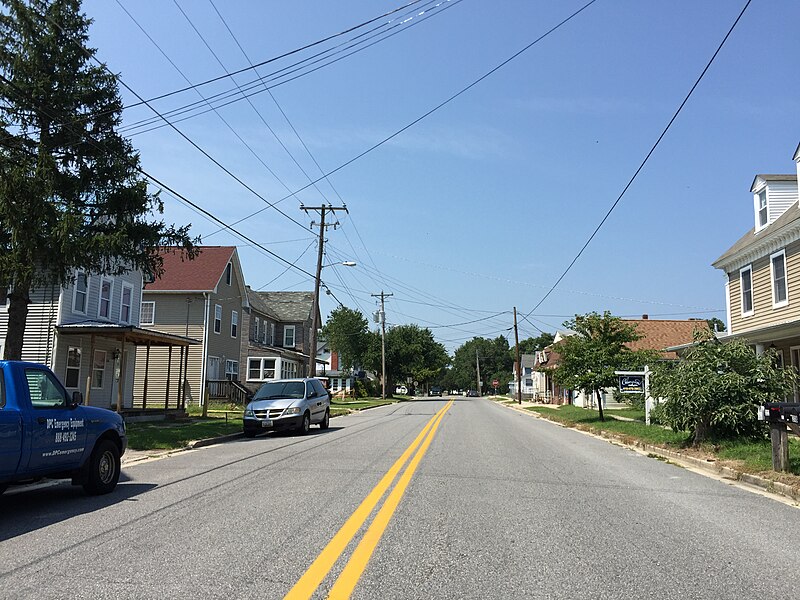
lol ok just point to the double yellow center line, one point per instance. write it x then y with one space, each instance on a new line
354 568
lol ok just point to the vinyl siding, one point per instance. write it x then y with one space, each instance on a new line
39 343
780 196
763 312
133 279
171 317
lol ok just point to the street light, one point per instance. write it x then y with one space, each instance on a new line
312 351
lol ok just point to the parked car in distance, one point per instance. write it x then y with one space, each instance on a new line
435 391
401 389
472 394
288 404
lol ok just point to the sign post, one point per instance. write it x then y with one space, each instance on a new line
495 383
637 382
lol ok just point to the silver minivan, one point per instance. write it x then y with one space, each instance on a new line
288 404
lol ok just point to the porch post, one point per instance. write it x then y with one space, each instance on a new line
87 395
121 382
185 377
146 375
169 371
179 384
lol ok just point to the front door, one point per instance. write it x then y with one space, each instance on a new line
213 368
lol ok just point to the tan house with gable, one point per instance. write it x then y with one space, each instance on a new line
203 299
762 269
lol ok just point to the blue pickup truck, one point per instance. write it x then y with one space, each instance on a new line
46 432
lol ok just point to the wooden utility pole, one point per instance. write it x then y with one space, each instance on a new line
311 367
478 370
519 373
382 314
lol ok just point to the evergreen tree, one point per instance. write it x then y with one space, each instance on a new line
71 195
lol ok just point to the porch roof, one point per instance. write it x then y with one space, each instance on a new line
131 333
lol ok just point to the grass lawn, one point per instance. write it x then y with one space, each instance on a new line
631 413
751 456
165 435
222 420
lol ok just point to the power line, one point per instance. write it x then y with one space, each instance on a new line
276 58
646 158
437 107
280 76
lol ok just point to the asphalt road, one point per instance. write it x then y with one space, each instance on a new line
500 505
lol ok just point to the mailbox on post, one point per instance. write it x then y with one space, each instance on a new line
780 415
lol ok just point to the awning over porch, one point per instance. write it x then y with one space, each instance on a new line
137 336
762 335
129 333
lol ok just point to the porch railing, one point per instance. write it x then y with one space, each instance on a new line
228 390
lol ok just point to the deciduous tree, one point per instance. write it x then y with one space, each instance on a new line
715 390
347 332
591 356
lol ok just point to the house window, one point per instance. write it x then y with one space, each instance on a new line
288 369
73 378
125 304
265 333
232 370
234 323
288 336
256 324
762 208
779 292
746 280
98 369
104 308
271 334
148 313
217 318
229 273
81 293
260 369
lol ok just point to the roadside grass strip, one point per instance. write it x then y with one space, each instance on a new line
319 569
171 436
751 456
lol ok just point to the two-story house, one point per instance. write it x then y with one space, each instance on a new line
273 347
87 333
203 299
529 389
762 269
289 317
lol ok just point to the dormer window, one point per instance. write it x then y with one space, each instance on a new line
762 208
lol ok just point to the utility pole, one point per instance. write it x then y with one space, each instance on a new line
516 345
478 369
311 368
382 314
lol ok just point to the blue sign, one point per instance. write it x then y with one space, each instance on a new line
631 384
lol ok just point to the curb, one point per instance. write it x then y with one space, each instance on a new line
711 466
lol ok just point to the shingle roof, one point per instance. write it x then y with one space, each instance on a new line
199 275
772 177
527 360
659 334
289 306
258 304
790 215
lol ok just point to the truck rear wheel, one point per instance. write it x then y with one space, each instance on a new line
103 468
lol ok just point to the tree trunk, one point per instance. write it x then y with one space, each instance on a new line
600 404
17 318
700 432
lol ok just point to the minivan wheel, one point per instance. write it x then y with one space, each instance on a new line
326 420
305 425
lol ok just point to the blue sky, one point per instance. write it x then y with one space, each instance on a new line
480 206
